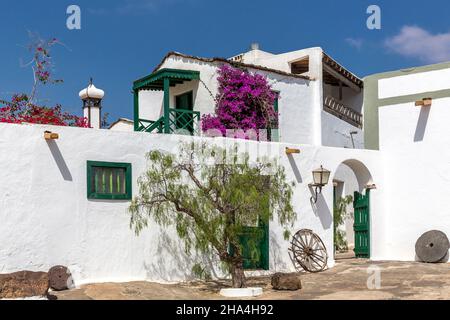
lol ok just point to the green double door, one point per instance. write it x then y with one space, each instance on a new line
361 204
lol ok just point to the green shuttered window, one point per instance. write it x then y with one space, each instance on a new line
108 180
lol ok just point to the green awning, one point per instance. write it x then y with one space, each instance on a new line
155 81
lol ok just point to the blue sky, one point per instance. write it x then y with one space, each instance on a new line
122 40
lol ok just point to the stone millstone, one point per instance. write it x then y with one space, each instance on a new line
432 246
60 278
286 281
23 284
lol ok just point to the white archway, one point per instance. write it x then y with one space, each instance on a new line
361 172
350 176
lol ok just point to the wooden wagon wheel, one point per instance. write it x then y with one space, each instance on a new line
309 251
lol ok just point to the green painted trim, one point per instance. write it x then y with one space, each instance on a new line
91 194
414 97
370 116
372 103
154 80
136 109
409 71
166 105
150 125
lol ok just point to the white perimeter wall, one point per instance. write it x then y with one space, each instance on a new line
415 142
46 218
416 145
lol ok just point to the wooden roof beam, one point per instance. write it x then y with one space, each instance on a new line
340 77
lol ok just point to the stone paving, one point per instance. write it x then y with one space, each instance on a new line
347 280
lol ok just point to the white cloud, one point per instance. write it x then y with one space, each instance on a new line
415 42
355 43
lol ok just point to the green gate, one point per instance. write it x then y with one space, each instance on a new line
361 225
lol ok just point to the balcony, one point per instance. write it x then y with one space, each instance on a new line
353 117
180 121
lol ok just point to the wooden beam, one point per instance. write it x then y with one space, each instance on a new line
292 151
425 102
340 77
50 135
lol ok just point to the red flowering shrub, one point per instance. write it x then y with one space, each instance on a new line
20 110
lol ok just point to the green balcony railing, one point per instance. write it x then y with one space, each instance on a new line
184 121
180 122
151 126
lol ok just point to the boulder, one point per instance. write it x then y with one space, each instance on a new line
60 278
23 284
286 281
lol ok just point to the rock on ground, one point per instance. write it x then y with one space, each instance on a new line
60 278
23 284
286 281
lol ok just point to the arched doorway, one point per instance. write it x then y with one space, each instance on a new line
352 183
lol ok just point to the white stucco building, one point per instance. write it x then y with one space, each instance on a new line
320 102
369 133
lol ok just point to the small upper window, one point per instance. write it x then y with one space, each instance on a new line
300 66
108 180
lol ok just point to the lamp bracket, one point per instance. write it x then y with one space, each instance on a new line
317 191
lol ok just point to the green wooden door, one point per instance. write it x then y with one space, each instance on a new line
361 225
255 237
185 120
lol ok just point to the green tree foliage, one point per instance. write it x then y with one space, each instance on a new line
340 213
210 194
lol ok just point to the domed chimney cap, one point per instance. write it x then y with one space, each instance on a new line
91 92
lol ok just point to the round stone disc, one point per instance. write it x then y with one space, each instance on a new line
432 246
60 278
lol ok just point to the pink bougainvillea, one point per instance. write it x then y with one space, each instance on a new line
245 101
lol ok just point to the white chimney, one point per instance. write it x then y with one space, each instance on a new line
254 46
92 105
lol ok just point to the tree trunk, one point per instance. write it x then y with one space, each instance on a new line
237 275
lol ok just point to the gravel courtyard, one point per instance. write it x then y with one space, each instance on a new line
347 280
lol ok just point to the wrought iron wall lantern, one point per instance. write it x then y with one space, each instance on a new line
321 177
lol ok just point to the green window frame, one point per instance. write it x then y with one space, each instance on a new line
273 133
275 102
109 180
